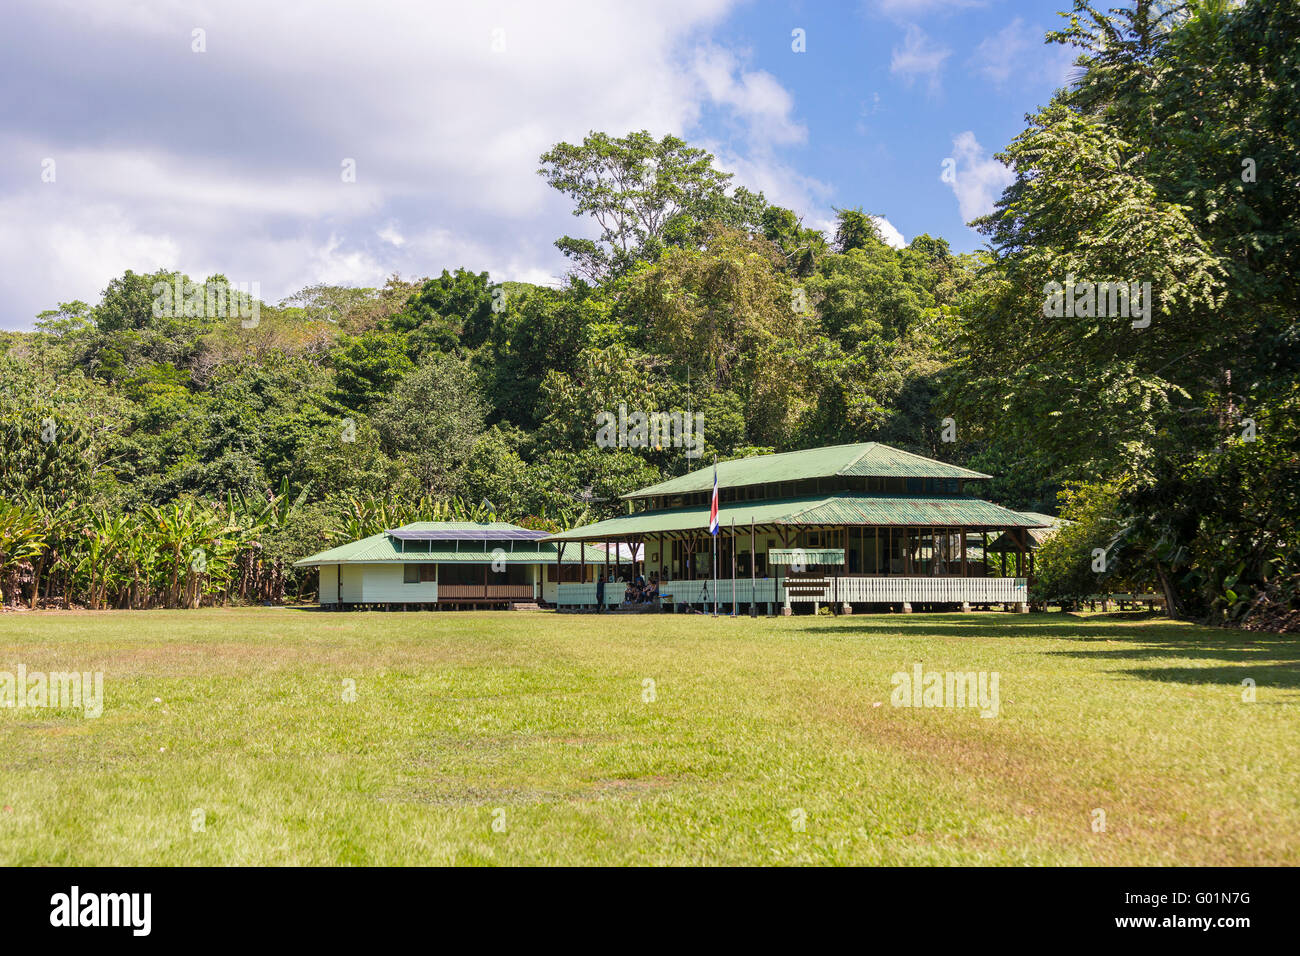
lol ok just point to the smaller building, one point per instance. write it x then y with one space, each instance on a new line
446 565
1026 552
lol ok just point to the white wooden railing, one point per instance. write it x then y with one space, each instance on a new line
888 590
491 592
855 590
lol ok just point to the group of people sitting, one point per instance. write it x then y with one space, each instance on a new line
640 591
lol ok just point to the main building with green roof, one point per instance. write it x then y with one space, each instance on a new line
862 526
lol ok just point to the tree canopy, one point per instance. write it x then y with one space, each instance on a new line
1124 351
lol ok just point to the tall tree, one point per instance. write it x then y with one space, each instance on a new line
633 186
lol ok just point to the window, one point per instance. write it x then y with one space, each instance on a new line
416 573
467 573
569 573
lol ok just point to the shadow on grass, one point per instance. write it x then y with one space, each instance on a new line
1271 660
1048 625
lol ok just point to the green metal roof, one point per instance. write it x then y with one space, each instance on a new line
1036 535
1050 521
912 511
866 459
459 526
382 548
852 509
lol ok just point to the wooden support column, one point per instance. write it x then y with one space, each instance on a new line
753 562
735 609
559 556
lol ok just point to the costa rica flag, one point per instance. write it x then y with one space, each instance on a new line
713 507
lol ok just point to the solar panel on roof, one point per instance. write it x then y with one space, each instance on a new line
464 534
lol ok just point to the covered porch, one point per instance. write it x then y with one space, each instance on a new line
788 568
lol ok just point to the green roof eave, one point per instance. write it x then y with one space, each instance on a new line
863 460
1049 525
382 549
810 510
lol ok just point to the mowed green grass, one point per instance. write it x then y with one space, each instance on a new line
540 723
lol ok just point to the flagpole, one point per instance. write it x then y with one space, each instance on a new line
715 572
714 534
715 575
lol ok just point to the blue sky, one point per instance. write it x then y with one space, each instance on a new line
211 138
886 91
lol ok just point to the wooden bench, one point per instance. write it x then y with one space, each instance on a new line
1125 601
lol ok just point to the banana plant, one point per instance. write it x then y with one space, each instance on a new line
363 517
22 537
257 519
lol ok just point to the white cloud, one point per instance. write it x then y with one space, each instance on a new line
229 160
998 55
69 251
779 182
911 8
919 57
337 264
889 232
978 178
754 97
1017 52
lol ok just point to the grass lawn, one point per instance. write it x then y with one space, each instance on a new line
235 719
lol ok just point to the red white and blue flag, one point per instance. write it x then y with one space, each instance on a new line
713 507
